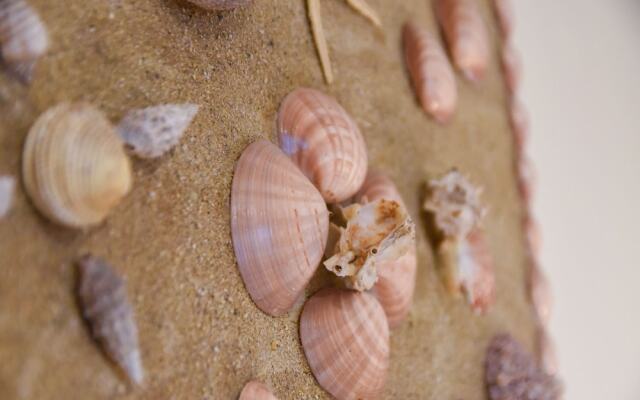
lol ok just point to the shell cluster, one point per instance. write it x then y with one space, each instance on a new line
7 188
255 390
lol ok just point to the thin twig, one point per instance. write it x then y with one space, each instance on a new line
313 8
366 11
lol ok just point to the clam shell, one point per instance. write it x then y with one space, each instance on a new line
505 15
512 66
255 390
466 36
22 34
541 295
7 189
74 166
150 132
105 306
345 337
430 71
324 142
221 4
279 224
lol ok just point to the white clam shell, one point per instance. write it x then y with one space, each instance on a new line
23 35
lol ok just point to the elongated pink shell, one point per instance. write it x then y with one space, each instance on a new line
479 284
324 142
279 225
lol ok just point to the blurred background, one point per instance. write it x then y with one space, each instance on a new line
581 61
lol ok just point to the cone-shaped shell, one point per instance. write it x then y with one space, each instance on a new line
466 36
74 165
220 4
430 71
255 390
103 298
23 36
279 224
324 142
345 337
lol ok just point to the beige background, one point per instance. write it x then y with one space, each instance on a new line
581 61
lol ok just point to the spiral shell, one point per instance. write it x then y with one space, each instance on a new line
431 72
22 34
150 132
221 4
255 390
7 188
324 142
504 13
103 298
466 36
279 225
512 66
345 337
74 165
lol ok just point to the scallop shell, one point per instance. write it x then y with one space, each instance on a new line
255 390
519 119
431 72
7 188
345 337
512 66
150 132
541 296
221 4
105 306
396 278
74 165
324 142
279 225
22 34
504 12
466 36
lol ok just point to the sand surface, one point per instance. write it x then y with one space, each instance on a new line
201 335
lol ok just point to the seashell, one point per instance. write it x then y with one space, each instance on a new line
279 225
504 13
466 36
22 34
431 72
512 66
105 306
376 232
150 132
221 4
324 142
74 166
512 373
396 278
519 119
7 189
541 296
455 203
526 178
468 267
255 390
345 338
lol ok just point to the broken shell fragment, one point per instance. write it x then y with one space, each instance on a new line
279 225
431 72
466 36
23 36
455 203
324 142
255 390
504 13
512 66
150 132
7 188
221 4
103 297
376 232
345 337
74 166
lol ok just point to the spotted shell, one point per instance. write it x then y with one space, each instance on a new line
512 66
279 225
504 13
345 337
255 390
7 188
22 33
466 36
221 4
431 72
74 166
103 298
324 142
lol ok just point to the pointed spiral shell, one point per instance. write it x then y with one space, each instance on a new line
255 390
279 225
345 337
23 36
324 142
220 4
74 166
431 73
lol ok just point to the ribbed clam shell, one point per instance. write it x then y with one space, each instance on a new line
221 4
430 71
74 165
150 132
324 142
255 390
279 224
7 188
519 119
345 337
466 36
22 34
541 296
504 13
512 66
105 306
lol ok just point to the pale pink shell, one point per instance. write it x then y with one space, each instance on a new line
255 390
479 284
431 72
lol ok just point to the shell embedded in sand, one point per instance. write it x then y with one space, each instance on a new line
7 188
376 232
504 13
512 66
23 36
105 306
255 390
279 225
345 337
74 166
466 36
150 132
324 142
431 73
220 4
